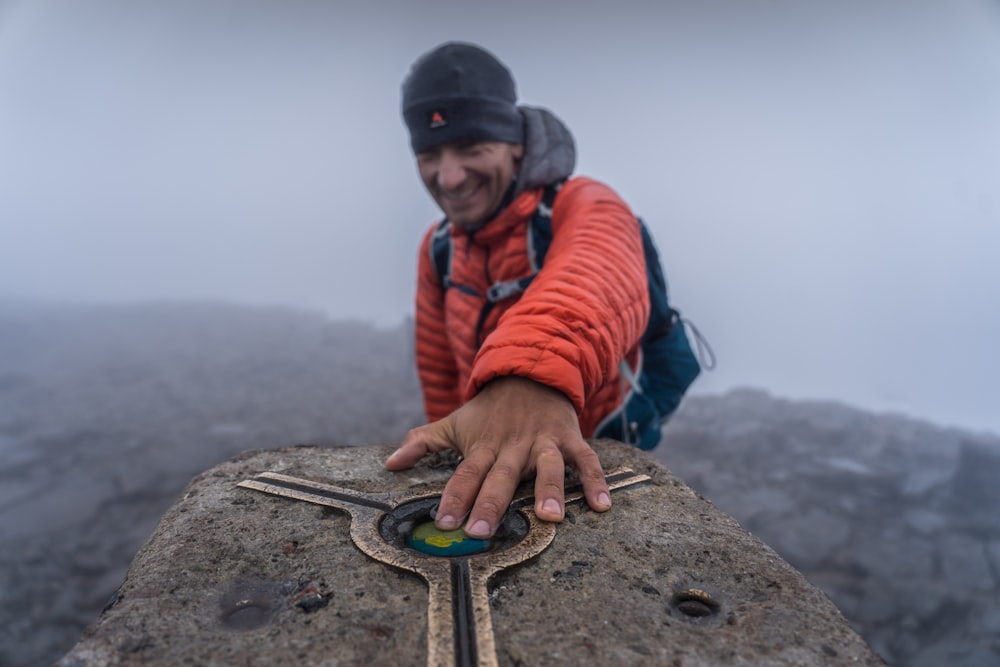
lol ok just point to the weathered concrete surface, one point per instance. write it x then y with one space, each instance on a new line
229 574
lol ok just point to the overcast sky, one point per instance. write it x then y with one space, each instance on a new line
822 178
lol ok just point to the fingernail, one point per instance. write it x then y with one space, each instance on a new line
447 522
552 505
604 499
479 529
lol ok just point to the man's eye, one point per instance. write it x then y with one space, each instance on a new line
428 156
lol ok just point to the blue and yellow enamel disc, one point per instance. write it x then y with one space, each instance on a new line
426 538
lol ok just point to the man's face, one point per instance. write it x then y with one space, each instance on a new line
469 180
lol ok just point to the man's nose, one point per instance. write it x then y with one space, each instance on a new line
451 173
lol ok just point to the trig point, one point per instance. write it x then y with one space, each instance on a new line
322 557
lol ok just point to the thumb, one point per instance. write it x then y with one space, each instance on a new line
422 440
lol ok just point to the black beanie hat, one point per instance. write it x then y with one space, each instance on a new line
460 92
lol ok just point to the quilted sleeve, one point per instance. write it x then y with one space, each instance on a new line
587 307
435 363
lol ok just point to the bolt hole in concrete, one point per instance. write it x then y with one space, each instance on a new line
411 527
694 604
248 604
247 614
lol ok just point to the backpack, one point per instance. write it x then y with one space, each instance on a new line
667 364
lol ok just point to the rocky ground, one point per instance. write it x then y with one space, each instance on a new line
107 412
897 520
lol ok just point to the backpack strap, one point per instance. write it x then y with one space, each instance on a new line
540 228
440 250
539 239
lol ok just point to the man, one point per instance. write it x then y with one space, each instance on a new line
514 383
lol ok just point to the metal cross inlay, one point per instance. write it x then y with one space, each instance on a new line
459 627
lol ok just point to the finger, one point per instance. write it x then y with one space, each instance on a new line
418 442
461 490
595 485
494 496
550 474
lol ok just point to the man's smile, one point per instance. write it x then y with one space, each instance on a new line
460 197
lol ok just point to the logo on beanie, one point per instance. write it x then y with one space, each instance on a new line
437 119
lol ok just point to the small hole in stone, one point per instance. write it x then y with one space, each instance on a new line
695 603
247 615
695 608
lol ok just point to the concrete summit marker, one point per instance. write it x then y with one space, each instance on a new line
459 628
329 559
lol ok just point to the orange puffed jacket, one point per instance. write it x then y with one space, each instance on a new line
579 318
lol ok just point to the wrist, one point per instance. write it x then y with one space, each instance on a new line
504 384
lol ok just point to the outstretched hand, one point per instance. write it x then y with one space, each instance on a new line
514 427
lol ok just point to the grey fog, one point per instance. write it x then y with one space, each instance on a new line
822 179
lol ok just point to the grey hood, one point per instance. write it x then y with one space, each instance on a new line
549 150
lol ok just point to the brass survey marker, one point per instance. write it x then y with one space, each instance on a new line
459 628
